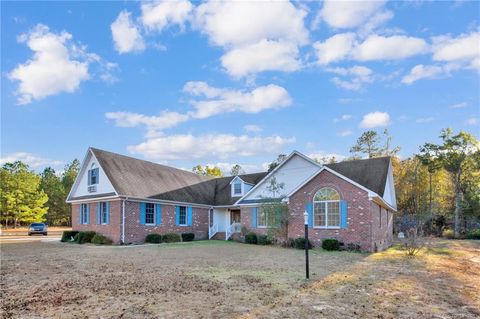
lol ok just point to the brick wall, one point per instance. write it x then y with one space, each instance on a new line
135 232
382 227
112 230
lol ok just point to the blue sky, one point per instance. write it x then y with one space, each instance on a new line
222 83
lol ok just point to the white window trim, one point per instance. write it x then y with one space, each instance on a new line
261 226
326 214
102 220
186 216
84 214
154 215
242 187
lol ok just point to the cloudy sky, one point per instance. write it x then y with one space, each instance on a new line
185 82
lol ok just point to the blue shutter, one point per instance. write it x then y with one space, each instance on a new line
87 221
177 215
343 214
108 213
309 209
97 175
80 214
143 207
254 217
99 207
158 210
189 216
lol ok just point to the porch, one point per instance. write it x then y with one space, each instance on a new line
224 221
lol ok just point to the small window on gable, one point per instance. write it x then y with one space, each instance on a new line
237 188
93 175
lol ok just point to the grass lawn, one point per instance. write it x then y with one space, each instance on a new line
225 279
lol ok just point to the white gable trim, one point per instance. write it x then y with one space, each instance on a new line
81 172
275 170
389 190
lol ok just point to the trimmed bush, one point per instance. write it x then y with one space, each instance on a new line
299 243
473 234
251 238
263 240
171 238
188 236
352 247
153 238
330 244
101 240
448 233
84 237
69 235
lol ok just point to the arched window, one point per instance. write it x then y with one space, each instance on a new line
326 208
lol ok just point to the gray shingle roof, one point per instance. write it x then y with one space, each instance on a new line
370 173
223 189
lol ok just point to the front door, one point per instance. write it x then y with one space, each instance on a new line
234 216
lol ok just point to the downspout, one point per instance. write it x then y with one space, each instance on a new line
123 222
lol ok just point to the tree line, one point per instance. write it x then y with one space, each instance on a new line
27 197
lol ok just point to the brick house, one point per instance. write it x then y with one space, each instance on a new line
125 199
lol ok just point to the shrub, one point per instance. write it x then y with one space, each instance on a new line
171 238
263 240
473 234
290 243
101 240
188 236
84 237
68 235
352 247
330 244
413 242
251 238
153 238
448 233
299 243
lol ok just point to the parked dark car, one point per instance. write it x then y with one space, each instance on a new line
37 229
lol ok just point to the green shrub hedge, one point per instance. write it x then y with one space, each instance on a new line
251 238
473 234
352 247
101 240
153 238
330 244
68 235
188 236
171 238
84 237
299 243
263 240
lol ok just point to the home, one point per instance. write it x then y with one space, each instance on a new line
125 199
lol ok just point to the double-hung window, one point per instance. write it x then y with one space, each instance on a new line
182 215
326 213
103 213
263 218
149 213
237 188
93 176
84 213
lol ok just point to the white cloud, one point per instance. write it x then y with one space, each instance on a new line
421 71
158 15
236 23
472 121
226 100
335 48
344 117
459 105
163 121
345 133
354 78
52 69
34 161
223 146
325 158
126 36
463 49
252 128
396 47
257 36
352 14
425 119
262 56
375 119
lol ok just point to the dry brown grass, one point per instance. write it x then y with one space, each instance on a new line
223 279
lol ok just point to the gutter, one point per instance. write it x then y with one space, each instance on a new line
123 221
160 201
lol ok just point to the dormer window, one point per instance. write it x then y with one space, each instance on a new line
93 175
237 188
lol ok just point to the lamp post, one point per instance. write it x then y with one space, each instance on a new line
307 272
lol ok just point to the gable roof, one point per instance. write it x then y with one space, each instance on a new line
370 173
143 179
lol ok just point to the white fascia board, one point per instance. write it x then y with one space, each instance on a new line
235 178
276 169
80 172
380 201
88 200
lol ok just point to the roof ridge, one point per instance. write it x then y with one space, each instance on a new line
150 162
360 160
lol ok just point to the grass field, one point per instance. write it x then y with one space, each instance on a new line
212 279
